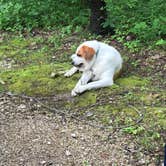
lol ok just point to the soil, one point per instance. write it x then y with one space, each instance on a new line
32 136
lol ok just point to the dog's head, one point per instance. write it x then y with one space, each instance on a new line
83 56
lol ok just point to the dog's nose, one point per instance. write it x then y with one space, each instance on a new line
72 63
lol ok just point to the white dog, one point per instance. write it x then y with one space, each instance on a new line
99 63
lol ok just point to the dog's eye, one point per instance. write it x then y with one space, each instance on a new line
79 55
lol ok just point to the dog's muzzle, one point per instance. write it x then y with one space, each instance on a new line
77 65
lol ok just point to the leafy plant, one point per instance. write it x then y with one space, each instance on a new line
134 130
19 15
144 20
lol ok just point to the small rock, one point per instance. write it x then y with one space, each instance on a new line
82 138
73 135
142 161
53 57
80 127
43 162
22 106
48 142
110 121
128 38
53 75
68 153
89 114
38 105
2 82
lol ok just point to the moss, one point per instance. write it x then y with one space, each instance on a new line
36 80
19 42
31 58
80 103
15 43
85 99
119 115
150 98
1 88
132 81
156 116
8 51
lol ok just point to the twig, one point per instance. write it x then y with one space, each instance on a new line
63 113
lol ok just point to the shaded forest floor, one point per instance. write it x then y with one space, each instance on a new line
121 125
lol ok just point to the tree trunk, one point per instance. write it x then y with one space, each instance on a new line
98 17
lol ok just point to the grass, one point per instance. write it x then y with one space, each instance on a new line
33 59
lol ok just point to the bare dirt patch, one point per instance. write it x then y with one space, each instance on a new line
30 136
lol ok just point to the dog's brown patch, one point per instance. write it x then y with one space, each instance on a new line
86 52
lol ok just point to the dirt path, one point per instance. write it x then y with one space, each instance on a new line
31 136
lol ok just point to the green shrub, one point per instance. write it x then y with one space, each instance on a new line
19 14
145 20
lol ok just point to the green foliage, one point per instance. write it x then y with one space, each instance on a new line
136 22
144 20
18 14
134 130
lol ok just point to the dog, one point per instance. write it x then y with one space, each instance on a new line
98 63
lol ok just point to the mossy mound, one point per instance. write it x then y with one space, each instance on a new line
132 81
83 100
36 80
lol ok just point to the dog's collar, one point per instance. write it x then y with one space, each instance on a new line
97 50
96 57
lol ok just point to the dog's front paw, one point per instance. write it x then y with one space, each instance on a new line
73 93
68 73
77 90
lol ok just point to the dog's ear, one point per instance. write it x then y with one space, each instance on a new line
87 52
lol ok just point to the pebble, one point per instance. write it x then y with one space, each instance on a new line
2 82
128 38
22 106
43 162
68 153
89 114
53 57
53 75
73 135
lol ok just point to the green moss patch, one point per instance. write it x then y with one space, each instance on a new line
1 88
36 80
19 42
132 81
85 99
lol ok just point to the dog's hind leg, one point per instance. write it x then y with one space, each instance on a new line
97 84
105 81
93 85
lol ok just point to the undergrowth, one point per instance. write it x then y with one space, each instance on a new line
136 23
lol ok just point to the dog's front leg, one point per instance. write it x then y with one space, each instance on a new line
86 76
71 71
